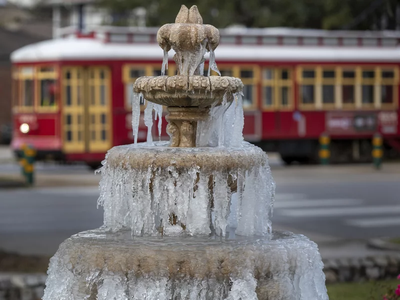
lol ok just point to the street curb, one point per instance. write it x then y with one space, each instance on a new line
362 269
7 183
383 244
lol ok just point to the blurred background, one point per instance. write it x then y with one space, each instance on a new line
321 96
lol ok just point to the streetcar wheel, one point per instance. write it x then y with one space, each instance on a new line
287 160
93 165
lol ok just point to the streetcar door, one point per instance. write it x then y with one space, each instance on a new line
86 109
99 110
73 109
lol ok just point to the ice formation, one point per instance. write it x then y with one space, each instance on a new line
190 219
107 266
143 197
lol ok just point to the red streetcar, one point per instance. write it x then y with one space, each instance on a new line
72 95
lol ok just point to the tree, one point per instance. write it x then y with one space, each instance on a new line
319 14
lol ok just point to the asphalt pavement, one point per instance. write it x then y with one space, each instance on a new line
339 207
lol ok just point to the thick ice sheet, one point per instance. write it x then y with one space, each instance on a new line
101 265
143 198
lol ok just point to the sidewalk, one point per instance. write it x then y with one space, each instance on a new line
6 154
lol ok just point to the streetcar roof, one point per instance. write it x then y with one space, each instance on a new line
93 49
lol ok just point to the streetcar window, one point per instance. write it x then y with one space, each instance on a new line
68 99
28 92
367 94
249 81
368 74
285 96
285 74
248 95
157 72
308 74
103 135
349 74
92 95
226 72
47 69
307 94
387 74
387 94
47 92
268 92
131 73
27 71
79 95
328 94
246 74
268 74
328 74
277 88
136 73
348 94
102 94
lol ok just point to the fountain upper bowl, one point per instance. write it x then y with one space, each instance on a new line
188 91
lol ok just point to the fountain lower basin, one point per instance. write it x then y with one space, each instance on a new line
287 266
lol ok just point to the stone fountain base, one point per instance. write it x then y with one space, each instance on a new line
101 265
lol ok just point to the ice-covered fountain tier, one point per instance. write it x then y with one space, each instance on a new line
188 218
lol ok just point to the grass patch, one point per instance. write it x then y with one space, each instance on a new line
395 241
371 290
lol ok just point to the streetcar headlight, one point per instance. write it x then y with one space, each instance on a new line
24 128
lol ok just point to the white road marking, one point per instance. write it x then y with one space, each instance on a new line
374 222
342 211
317 202
69 191
288 196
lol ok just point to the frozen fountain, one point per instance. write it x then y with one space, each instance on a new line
188 218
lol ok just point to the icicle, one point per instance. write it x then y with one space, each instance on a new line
237 130
148 121
201 69
212 65
136 114
164 63
158 114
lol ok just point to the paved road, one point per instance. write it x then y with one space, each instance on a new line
339 202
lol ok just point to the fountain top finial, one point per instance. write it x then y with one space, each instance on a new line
191 15
189 37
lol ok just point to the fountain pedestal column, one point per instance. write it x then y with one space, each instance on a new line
182 124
